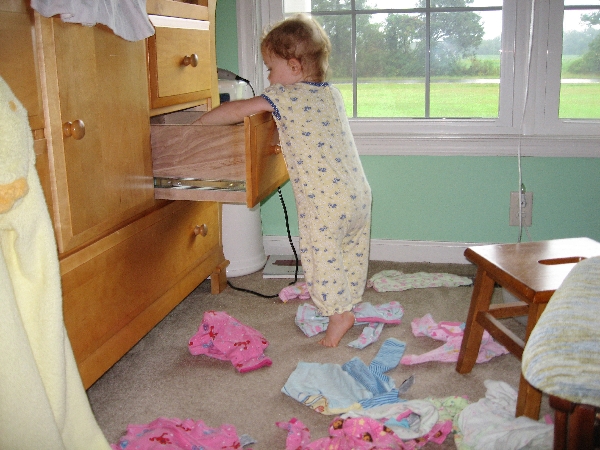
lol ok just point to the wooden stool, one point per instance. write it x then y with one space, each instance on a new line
531 271
573 425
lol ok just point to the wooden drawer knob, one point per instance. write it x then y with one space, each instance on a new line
190 60
201 230
276 149
75 129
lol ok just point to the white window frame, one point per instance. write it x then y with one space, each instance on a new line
528 123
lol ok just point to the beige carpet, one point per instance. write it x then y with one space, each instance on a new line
160 378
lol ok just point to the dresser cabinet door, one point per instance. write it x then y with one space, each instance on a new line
17 59
100 147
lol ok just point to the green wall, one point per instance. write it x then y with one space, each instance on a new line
226 35
452 198
466 199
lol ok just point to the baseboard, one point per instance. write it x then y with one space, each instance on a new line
390 250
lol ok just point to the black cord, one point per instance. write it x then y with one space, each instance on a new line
238 78
287 226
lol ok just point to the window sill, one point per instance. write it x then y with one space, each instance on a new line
480 145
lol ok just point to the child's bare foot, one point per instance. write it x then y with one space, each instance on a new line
339 324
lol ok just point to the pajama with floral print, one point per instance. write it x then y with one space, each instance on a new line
333 197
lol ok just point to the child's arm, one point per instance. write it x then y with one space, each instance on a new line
230 113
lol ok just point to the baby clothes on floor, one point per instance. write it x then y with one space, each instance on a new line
223 337
408 420
173 434
311 322
333 389
369 335
394 280
452 334
344 434
491 424
295 291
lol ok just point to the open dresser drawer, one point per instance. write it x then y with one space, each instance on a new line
228 164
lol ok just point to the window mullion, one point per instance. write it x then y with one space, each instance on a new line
354 70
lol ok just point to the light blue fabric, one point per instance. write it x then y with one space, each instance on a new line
316 381
345 386
562 355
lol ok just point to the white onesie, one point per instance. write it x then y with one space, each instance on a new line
333 197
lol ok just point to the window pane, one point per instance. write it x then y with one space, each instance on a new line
464 82
396 71
339 29
580 75
390 65
332 5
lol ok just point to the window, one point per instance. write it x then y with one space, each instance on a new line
580 66
413 58
469 77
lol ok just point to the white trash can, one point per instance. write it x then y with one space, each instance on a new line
242 239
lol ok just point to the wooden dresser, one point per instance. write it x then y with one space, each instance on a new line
126 258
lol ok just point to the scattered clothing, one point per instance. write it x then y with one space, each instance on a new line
491 424
312 322
332 389
408 420
394 280
369 335
344 434
223 337
295 291
452 334
174 434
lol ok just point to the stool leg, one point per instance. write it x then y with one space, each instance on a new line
562 409
529 400
471 342
581 428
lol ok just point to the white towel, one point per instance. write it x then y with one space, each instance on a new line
127 18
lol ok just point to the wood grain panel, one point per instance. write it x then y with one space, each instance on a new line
107 293
18 65
199 151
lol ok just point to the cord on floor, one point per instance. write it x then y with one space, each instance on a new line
287 226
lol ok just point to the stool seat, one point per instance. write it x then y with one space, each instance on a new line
531 271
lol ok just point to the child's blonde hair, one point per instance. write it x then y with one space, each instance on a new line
302 38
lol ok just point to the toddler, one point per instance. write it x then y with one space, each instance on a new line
333 197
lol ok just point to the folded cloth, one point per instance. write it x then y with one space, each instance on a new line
394 280
223 337
174 434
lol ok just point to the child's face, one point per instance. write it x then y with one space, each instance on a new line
282 71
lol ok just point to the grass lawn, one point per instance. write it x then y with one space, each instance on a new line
459 100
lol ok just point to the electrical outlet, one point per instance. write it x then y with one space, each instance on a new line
526 199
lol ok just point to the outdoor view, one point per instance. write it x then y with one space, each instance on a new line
383 69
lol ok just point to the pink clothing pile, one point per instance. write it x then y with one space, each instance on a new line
344 434
171 434
451 333
294 291
223 337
